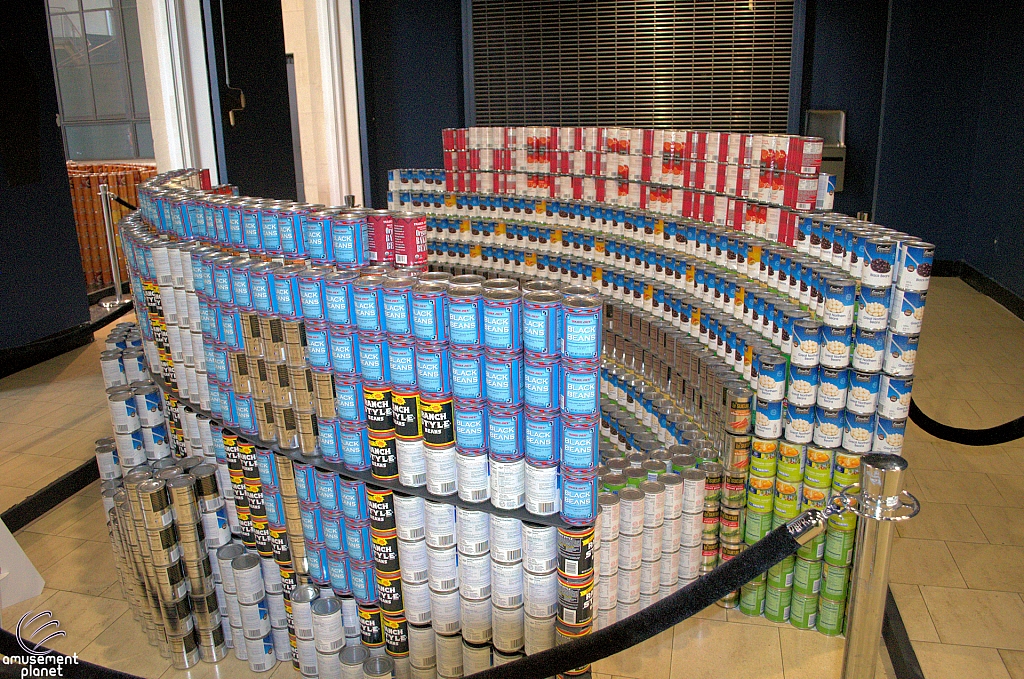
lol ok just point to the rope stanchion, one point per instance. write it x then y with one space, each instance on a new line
992 436
649 622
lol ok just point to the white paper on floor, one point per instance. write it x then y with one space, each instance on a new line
22 581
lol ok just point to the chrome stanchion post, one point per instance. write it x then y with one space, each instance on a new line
108 222
882 502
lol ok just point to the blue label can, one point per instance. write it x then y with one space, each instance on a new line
251 229
261 283
430 312
503 377
265 462
467 374
835 346
580 389
338 571
348 399
858 432
465 321
231 326
316 563
353 501
833 383
357 540
505 432
339 297
541 380
244 413
354 441
828 427
433 368
863 395
470 425
286 291
311 293
334 533
402 358
317 348
543 435
503 320
240 288
580 443
343 343
327 489
317 236
889 435
327 436
768 419
347 238
542 320
799 423
579 497
368 300
894 396
272 503
305 482
398 306
312 527
363 580
373 357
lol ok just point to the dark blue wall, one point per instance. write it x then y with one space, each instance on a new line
413 87
952 131
42 287
847 62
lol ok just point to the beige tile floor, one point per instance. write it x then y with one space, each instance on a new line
50 415
957 570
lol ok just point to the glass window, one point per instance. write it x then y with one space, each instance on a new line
101 85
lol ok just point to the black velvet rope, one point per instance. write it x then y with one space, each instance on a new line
120 200
635 629
1003 433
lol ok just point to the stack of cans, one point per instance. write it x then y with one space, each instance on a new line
608 566
542 319
255 643
503 387
577 554
580 350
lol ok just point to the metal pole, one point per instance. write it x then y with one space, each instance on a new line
882 502
108 222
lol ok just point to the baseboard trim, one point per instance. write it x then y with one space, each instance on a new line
16 359
1013 302
42 501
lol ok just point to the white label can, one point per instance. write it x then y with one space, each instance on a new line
607 591
669 569
689 562
445 615
631 511
507 584
410 519
255 620
691 528
507 625
412 463
650 576
476 657
610 518
443 569
412 557
539 634
416 598
474 532
609 557
422 650
508 483
474 477
651 543
630 551
670 534
440 524
506 539
629 585
476 620
540 594
441 470
693 490
475 576
542 491
540 551
449 655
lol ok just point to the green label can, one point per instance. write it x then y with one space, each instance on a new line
760 493
763 456
847 469
734 489
839 547
790 461
781 574
732 524
803 610
835 581
813 550
806 577
752 597
778 521
787 498
814 498
818 466
831 616
846 521
777 602
757 525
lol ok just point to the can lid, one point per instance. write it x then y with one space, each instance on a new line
304 594
631 494
326 606
694 474
607 499
354 655
500 284
652 487
244 562
378 666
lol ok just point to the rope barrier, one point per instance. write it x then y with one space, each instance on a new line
992 436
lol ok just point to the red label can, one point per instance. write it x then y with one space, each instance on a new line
410 238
